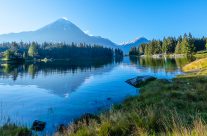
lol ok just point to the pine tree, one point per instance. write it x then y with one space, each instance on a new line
190 46
33 51
184 45
178 48
206 44
164 46
142 49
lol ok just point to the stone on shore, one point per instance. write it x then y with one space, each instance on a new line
140 80
38 125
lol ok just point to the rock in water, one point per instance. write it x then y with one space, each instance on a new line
140 80
38 125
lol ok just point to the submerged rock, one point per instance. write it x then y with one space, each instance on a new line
140 80
109 98
38 125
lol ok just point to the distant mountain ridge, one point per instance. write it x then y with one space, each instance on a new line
127 45
62 30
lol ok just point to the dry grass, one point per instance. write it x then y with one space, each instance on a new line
196 65
198 129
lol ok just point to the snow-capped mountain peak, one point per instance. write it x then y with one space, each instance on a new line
126 46
63 30
138 39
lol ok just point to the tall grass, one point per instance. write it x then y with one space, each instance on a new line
11 129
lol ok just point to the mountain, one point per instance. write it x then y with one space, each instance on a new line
61 30
135 43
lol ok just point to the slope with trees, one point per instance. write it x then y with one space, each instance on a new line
186 45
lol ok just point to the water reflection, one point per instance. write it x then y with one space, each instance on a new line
61 77
58 92
15 70
169 65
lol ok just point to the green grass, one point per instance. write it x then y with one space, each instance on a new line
171 108
13 130
201 54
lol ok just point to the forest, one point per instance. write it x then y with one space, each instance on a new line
34 50
185 44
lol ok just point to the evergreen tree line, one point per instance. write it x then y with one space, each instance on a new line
56 51
185 44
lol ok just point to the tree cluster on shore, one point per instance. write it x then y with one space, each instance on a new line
34 50
185 44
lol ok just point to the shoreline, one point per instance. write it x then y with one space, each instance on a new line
159 56
154 104
152 112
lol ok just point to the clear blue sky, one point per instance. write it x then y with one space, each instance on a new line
118 20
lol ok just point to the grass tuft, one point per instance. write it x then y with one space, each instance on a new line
13 130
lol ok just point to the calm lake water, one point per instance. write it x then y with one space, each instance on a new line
59 92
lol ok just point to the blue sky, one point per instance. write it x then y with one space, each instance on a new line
118 20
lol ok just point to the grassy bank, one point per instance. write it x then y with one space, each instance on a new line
201 54
178 107
13 130
197 65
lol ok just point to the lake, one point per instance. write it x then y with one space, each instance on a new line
59 92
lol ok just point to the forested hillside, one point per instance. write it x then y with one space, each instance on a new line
14 50
185 44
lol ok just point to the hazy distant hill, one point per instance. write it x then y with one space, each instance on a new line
126 46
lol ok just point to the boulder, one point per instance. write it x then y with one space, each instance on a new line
38 125
140 80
